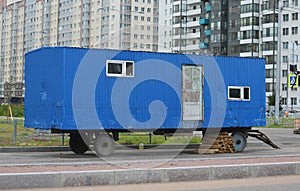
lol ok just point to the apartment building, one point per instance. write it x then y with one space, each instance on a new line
268 41
245 28
165 28
290 50
30 24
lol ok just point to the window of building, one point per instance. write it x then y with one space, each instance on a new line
294 101
295 3
285 45
270 73
241 93
283 101
286 17
285 59
119 68
295 16
284 87
294 30
285 31
284 73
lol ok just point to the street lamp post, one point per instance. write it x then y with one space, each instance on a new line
278 68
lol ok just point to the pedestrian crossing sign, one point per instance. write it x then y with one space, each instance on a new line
293 81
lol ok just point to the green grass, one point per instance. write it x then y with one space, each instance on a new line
283 122
137 138
26 137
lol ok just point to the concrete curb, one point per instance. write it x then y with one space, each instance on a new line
34 149
138 176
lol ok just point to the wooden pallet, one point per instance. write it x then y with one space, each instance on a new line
296 131
222 144
296 126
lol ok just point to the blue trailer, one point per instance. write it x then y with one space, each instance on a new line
72 90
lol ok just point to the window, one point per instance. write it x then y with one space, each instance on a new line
283 101
284 73
285 45
293 101
119 68
295 16
294 30
286 17
294 3
285 59
284 87
240 93
285 31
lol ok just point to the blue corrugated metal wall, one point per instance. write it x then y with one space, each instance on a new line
67 88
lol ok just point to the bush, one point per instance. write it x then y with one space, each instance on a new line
17 110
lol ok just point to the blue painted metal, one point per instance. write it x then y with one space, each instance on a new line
207 32
203 45
68 87
204 21
208 8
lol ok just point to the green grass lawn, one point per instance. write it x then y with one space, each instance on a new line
28 137
136 138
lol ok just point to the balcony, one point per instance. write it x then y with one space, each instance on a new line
207 32
193 35
192 23
203 21
208 8
203 45
193 12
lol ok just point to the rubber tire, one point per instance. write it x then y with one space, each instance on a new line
77 144
104 145
239 141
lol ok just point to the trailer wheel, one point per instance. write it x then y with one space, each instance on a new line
104 145
77 144
239 141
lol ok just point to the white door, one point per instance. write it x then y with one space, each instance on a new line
192 90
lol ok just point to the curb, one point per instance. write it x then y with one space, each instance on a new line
139 176
34 149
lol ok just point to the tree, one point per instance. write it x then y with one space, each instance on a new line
271 101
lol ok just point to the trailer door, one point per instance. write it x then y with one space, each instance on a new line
192 89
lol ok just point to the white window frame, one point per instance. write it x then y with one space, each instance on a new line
124 64
242 92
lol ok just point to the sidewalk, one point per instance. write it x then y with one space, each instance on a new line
49 176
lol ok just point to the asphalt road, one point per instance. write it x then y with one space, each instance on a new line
284 138
127 166
289 183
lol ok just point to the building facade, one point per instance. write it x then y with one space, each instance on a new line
290 50
244 28
30 24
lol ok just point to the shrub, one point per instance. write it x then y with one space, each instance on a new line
17 110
